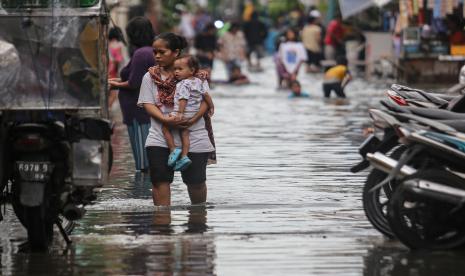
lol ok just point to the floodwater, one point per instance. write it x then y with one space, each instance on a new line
281 201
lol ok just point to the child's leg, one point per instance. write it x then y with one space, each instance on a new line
326 90
185 142
168 137
339 90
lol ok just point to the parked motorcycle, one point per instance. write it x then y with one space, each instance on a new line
54 129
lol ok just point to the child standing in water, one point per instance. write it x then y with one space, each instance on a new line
336 78
190 91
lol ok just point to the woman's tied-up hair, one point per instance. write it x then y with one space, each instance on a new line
173 41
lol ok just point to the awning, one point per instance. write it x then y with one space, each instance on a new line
351 7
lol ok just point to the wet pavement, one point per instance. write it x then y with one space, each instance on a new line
281 201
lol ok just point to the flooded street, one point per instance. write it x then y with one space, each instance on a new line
281 201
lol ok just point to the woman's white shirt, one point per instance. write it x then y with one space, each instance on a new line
199 140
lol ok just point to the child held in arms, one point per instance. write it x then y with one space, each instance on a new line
190 91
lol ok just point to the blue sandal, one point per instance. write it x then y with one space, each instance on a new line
174 156
182 164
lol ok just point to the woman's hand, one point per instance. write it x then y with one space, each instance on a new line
211 111
113 83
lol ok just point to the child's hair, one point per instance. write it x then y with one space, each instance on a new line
235 67
192 62
341 60
294 82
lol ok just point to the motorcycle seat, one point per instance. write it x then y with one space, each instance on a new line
458 125
435 114
436 98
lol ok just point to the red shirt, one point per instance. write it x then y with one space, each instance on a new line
457 38
334 30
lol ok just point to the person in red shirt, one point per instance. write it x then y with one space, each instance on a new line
334 39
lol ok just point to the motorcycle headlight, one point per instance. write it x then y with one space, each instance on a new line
87 159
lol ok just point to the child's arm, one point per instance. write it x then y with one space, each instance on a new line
346 80
209 101
182 107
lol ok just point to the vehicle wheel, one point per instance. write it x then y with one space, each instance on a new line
37 221
39 227
425 222
375 203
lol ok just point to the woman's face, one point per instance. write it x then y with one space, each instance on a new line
164 56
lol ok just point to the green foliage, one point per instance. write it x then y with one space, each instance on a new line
170 15
277 7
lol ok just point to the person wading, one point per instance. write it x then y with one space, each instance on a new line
157 97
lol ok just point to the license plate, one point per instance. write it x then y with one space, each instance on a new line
34 171
369 145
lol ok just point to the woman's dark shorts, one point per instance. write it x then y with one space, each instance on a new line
195 174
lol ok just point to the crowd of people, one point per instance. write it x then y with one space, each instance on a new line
297 39
162 83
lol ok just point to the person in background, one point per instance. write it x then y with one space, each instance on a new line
201 20
118 58
296 90
291 54
140 34
237 77
186 25
336 78
206 45
255 34
232 48
311 38
334 39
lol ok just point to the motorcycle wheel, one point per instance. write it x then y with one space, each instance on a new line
375 203
39 227
423 222
37 221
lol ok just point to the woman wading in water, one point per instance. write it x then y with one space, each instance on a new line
157 97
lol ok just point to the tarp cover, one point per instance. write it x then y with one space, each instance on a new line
50 62
351 7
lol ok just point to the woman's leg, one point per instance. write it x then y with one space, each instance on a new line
161 194
161 175
198 193
195 177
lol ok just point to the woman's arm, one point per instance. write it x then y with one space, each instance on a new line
156 113
118 84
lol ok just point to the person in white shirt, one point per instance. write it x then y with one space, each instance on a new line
291 55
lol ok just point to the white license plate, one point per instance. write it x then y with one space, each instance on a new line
34 171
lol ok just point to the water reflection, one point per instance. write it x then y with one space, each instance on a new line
389 261
171 252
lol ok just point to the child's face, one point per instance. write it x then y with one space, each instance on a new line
296 89
182 70
236 72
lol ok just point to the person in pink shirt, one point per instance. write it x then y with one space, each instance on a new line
334 39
